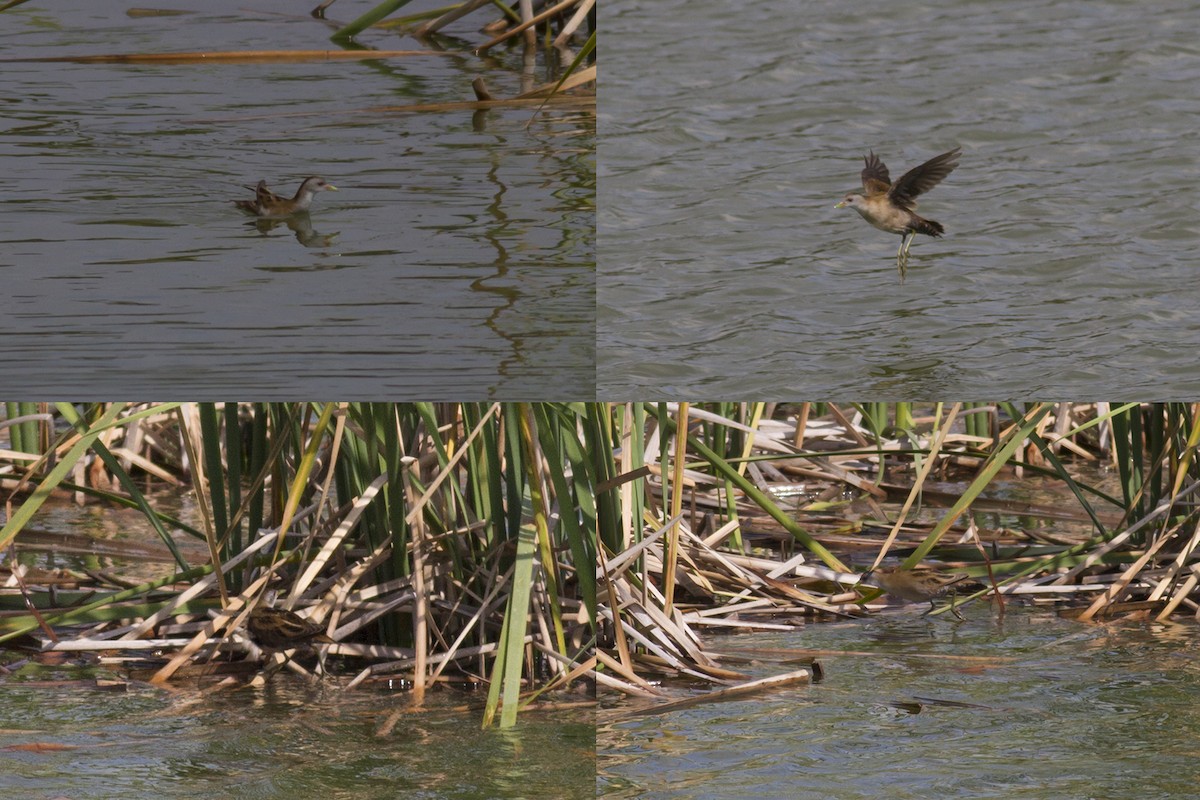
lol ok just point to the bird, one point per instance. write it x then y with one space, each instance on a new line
918 584
891 206
268 204
279 629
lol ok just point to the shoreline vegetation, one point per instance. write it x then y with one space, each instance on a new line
765 516
544 551
433 543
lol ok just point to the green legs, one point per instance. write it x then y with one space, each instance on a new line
902 253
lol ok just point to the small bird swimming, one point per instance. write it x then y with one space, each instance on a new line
891 206
268 204
918 584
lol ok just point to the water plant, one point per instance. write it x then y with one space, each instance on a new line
427 540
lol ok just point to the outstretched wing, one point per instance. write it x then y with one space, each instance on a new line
875 175
919 180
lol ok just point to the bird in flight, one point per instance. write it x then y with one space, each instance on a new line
892 207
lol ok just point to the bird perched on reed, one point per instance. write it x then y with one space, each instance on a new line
268 204
917 585
279 629
891 206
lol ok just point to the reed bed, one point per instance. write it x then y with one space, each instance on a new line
434 544
764 516
528 548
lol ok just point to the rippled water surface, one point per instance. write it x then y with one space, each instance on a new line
1069 265
1031 706
64 734
63 737
456 261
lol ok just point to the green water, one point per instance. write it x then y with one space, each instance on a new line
1063 710
288 741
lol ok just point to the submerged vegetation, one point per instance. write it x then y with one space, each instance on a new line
430 542
766 515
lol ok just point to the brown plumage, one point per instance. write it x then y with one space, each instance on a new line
918 584
891 206
268 204
279 629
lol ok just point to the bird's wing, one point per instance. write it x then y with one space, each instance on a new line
265 196
919 180
875 175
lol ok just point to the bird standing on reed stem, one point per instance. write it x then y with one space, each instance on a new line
917 584
279 629
892 207
268 204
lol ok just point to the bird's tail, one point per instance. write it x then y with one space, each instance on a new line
926 226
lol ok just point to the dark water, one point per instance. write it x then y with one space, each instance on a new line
456 261
1057 709
730 130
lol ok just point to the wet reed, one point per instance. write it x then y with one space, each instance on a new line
743 523
429 540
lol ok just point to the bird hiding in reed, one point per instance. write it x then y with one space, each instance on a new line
279 629
919 584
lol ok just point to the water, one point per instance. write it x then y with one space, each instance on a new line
61 735
285 741
730 130
456 261
1068 710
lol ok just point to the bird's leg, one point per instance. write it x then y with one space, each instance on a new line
322 654
902 257
272 667
953 607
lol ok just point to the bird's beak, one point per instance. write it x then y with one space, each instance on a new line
331 187
841 204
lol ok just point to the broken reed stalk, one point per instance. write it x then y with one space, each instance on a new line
433 576
731 589
526 24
